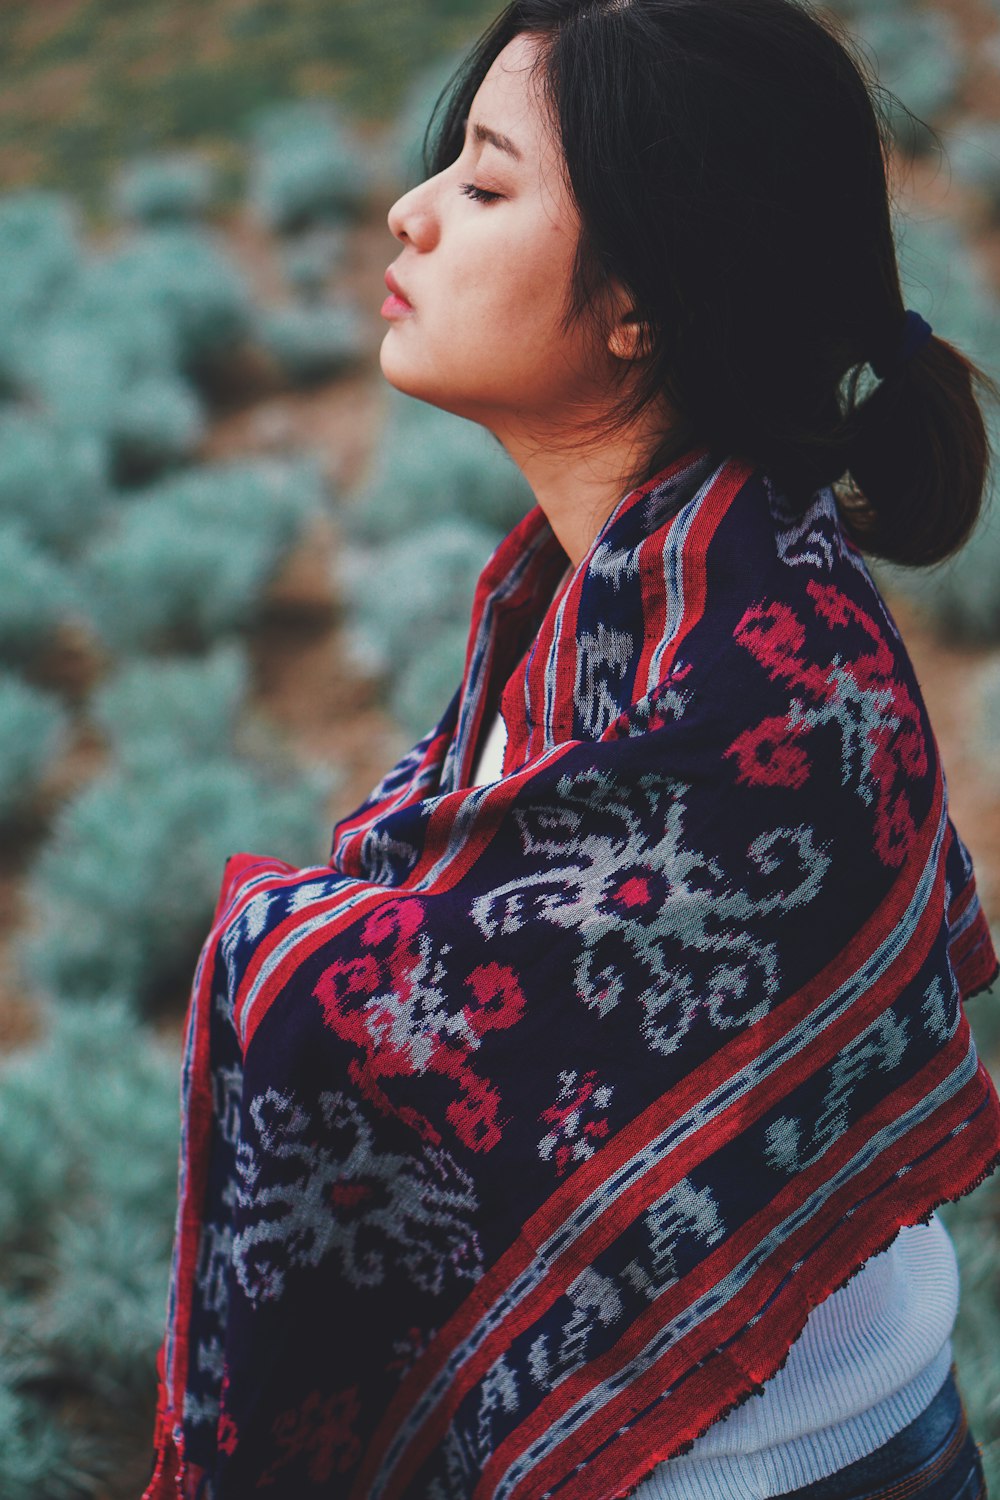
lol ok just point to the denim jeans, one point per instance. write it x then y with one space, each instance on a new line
934 1458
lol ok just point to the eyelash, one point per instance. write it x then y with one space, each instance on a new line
481 195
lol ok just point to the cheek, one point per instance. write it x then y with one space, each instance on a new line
525 292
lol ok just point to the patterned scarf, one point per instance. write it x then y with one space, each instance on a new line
520 1139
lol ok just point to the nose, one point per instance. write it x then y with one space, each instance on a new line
411 218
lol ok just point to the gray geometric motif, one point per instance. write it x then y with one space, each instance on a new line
806 537
240 931
386 860
498 1393
457 1449
942 1018
684 1210
576 1118
377 1211
215 1242
602 658
882 1044
596 1303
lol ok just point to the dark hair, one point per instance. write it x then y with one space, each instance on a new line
728 161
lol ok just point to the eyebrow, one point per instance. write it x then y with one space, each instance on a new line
494 138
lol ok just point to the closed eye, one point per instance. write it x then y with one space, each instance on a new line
481 195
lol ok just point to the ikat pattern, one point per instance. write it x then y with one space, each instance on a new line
398 1004
881 739
577 1119
636 892
372 1213
883 1046
604 659
597 1307
318 1438
517 1139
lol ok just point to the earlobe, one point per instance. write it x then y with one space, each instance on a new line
627 340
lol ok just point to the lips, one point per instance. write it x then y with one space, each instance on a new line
395 287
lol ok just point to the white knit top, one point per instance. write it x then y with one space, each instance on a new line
870 1358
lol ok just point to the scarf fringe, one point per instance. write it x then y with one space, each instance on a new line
756 1388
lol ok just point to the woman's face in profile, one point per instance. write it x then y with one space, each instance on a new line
488 247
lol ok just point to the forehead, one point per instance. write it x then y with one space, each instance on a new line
510 100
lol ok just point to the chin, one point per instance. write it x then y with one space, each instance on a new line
396 369
410 383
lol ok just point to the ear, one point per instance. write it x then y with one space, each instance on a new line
628 338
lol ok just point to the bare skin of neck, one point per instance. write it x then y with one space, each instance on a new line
578 487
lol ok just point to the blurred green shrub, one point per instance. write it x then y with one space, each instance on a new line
164 187
418 696
189 560
123 892
32 730
984 734
943 280
438 496
158 422
314 340
973 151
54 481
311 257
89 1135
40 1458
406 135
918 58
114 350
428 466
87 379
185 275
37 595
416 618
156 708
307 166
40 256
111 352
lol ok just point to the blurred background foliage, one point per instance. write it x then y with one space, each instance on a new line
235 577
90 82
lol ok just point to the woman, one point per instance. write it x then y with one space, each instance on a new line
578 1129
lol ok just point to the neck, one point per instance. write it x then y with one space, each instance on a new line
579 487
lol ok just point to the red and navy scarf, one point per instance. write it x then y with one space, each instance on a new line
520 1139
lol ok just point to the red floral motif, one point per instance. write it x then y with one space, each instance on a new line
767 755
227 1433
883 740
321 1428
571 1137
396 1004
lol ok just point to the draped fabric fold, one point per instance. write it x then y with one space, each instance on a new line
520 1138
